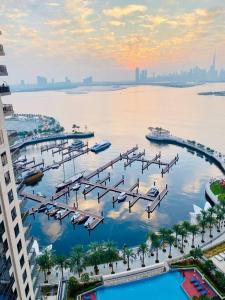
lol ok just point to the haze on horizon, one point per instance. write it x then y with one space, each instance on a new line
108 39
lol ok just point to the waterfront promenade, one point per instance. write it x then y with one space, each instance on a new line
48 138
161 135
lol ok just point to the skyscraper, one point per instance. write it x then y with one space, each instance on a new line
17 276
137 75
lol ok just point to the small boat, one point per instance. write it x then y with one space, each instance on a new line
42 208
82 219
53 211
77 145
100 146
60 213
76 187
122 196
153 192
55 165
69 181
33 176
41 195
89 221
75 217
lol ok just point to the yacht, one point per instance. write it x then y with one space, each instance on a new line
75 217
153 192
69 181
76 187
32 176
100 146
77 145
60 213
90 220
122 196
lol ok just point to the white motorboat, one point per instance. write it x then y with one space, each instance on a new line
122 196
75 216
76 187
55 165
154 191
60 213
69 181
100 146
90 220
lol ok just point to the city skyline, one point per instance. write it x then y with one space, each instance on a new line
77 38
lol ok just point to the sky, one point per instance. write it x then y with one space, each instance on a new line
109 38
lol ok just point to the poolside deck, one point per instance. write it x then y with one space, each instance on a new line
189 287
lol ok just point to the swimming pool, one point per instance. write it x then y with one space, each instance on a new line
166 286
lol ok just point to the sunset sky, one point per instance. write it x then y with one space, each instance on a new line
109 38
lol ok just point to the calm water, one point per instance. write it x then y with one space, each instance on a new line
123 116
171 283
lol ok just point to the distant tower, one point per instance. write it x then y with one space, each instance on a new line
137 75
212 70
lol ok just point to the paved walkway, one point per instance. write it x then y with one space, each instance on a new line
136 260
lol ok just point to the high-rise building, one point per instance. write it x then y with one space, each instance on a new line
18 274
137 74
41 81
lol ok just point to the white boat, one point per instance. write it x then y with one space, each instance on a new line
90 220
76 187
122 196
60 213
69 181
55 165
75 217
41 195
100 146
153 192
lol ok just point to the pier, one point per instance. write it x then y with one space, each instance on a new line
68 209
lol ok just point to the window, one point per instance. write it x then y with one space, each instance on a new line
13 213
10 196
19 246
16 230
1 137
22 261
8 263
2 228
27 289
5 246
24 275
4 159
7 178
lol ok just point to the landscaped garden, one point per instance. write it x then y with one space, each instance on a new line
215 250
218 189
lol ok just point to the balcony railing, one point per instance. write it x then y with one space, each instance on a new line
3 70
4 90
2 50
7 109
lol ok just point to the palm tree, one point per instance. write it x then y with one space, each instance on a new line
62 262
194 230
95 255
143 248
170 239
163 232
182 233
202 223
210 222
176 228
128 253
77 262
42 261
151 236
196 253
111 253
124 253
186 226
219 216
156 245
